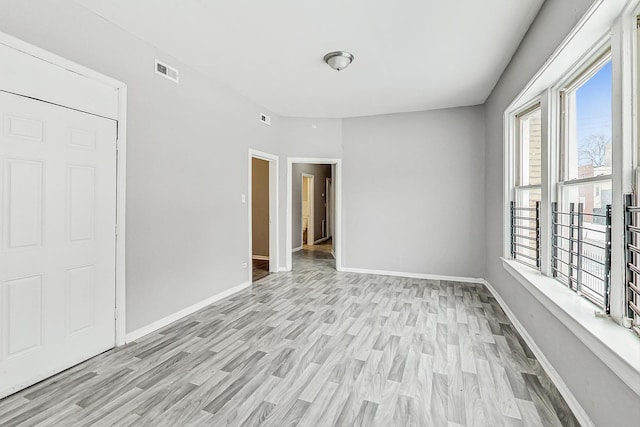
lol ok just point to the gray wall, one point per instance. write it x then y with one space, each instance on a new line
320 173
413 192
607 400
260 207
187 230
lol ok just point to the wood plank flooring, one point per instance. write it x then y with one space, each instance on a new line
313 347
260 269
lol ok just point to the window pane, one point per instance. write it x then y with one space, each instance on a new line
588 119
594 197
525 234
527 197
530 148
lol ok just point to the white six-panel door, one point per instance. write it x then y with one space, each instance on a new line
58 216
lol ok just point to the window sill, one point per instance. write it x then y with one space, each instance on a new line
617 347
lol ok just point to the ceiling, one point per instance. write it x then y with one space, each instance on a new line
410 55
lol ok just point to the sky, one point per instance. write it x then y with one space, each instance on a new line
593 104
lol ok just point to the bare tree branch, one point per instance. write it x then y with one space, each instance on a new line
594 150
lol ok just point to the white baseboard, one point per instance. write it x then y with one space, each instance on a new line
412 275
260 257
333 254
323 239
283 269
158 324
299 248
568 396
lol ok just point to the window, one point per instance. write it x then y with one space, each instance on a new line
588 212
525 210
581 218
586 111
529 150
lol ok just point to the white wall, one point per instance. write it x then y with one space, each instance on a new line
186 159
607 400
413 192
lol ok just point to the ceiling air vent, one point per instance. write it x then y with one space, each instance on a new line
265 119
166 71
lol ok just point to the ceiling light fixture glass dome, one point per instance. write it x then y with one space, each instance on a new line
338 60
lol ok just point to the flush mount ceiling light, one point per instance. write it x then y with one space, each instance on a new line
338 60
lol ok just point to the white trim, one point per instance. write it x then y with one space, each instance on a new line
624 127
583 181
328 207
617 347
260 257
413 275
274 202
282 269
121 223
322 239
54 59
121 178
299 248
337 188
566 393
158 324
587 33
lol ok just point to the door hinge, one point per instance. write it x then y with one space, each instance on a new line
115 314
116 229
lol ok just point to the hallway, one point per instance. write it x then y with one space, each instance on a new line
314 257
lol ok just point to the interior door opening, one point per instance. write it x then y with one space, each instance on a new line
308 231
263 214
312 213
260 218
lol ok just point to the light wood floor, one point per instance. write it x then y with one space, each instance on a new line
313 347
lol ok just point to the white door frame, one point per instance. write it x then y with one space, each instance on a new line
120 115
337 188
311 229
274 237
328 207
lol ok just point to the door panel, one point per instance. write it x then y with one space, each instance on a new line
57 267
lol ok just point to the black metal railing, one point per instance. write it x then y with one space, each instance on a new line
525 234
632 259
581 251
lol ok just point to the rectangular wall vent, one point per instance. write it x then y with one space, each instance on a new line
167 71
265 119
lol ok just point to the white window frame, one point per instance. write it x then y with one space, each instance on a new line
588 67
517 152
519 158
572 84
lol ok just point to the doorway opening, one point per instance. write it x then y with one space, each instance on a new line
263 214
307 229
311 213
